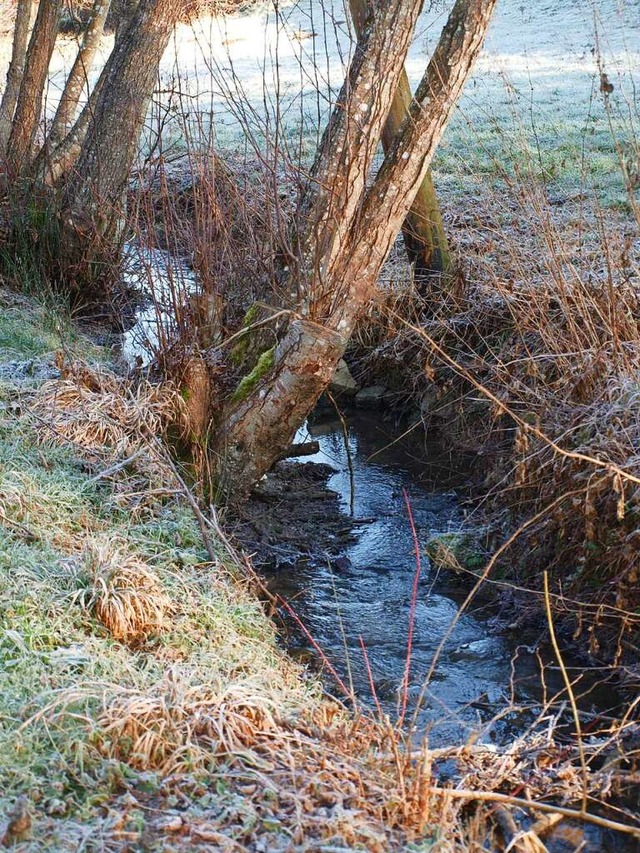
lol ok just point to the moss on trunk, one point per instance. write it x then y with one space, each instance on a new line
249 382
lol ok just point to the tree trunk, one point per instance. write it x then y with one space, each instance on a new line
423 229
349 238
92 199
29 106
16 69
334 193
78 79
51 166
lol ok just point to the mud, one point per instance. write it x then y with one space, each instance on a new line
293 518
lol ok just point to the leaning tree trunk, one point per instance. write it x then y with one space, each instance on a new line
52 164
15 72
92 199
29 106
348 239
423 229
78 80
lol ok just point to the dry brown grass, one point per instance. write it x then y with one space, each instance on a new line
102 413
179 724
124 594
116 424
336 779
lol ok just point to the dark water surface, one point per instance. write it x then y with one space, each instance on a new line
364 598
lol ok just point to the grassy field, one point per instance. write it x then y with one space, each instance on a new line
116 629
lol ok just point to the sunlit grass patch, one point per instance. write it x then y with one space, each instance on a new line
512 130
97 411
124 594
100 605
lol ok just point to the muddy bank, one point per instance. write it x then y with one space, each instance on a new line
292 518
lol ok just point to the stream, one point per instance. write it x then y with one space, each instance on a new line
350 563
363 598
345 563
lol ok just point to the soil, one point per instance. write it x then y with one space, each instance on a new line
292 517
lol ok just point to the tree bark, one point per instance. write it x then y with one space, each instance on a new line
29 106
125 89
51 166
78 79
92 198
15 72
338 177
423 229
348 238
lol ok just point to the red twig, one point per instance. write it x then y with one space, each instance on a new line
412 609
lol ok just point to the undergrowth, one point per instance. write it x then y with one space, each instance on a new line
531 363
144 701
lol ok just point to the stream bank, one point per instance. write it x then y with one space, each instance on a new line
349 577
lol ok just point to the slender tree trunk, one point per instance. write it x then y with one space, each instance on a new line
78 79
51 166
15 72
29 105
423 229
334 193
92 199
342 252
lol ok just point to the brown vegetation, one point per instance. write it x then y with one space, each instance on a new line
124 594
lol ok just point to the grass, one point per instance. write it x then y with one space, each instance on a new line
61 662
143 697
26 332
144 700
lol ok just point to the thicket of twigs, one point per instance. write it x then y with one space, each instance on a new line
531 360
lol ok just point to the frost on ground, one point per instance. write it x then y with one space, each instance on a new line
535 96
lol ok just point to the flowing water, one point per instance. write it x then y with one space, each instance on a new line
358 608
364 599
485 682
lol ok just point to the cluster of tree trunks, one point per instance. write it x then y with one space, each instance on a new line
82 161
346 222
347 225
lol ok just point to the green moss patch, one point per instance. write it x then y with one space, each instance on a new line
456 551
249 382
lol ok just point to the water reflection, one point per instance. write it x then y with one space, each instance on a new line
365 597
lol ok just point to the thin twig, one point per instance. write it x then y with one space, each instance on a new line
412 608
567 681
494 797
118 466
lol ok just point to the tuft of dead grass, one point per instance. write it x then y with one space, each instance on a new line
102 413
179 724
125 595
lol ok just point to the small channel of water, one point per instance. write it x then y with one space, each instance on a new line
364 598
